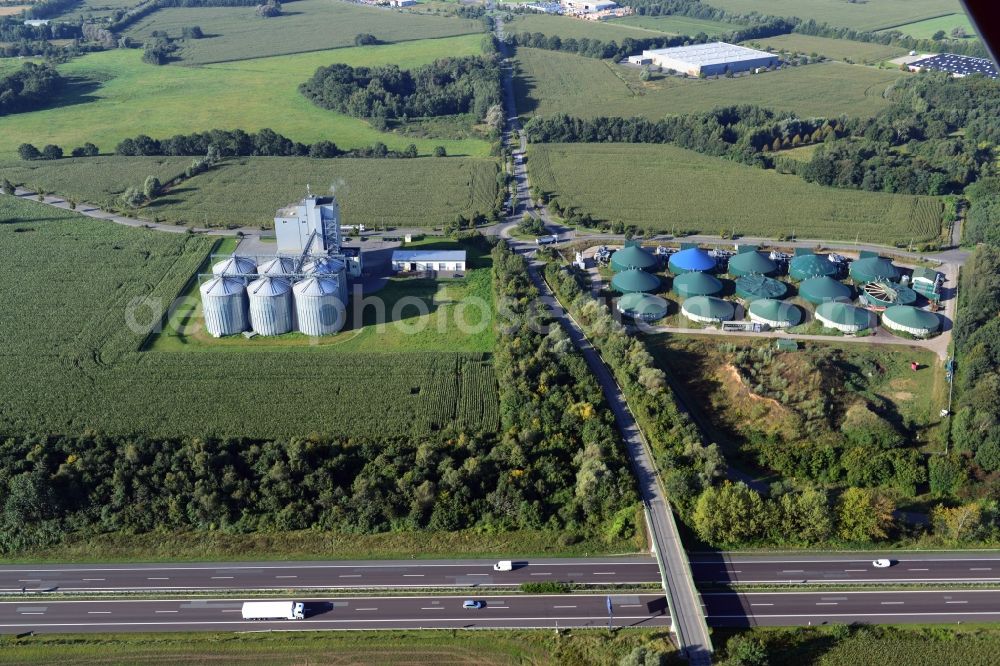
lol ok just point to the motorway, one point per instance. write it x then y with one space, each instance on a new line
522 611
718 568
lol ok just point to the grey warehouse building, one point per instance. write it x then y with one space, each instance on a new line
710 59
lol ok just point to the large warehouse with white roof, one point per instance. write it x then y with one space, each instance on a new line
709 59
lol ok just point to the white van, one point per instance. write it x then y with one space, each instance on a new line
503 565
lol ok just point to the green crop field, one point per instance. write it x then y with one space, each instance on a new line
873 15
235 33
566 27
89 292
662 187
926 28
676 25
550 83
837 49
119 96
424 192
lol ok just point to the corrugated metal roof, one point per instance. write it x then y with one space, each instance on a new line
428 255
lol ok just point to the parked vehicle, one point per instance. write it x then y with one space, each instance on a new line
273 610
503 565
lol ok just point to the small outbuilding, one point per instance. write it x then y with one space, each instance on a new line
696 284
872 269
805 266
708 309
693 259
751 263
644 307
409 261
635 281
773 313
633 256
908 319
843 317
755 286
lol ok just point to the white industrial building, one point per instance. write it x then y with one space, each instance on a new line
409 261
587 6
714 58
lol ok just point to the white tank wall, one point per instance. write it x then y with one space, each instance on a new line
318 306
224 305
270 306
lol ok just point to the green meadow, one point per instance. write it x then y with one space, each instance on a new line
837 49
676 25
872 15
566 28
235 33
549 83
115 95
925 29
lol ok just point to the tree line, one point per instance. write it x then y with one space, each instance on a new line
445 87
31 87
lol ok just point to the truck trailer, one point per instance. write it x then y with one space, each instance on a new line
273 610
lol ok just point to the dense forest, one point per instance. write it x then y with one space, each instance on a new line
30 88
445 87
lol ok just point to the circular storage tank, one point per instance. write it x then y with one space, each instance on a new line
823 289
645 307
270 306
872 269
908 319
318 306
776 314
751 263
322 266
224 305
634 281
277 266
883 294
696 284
756 286
843 317
633 256
807 266
238 267
708 309
690 260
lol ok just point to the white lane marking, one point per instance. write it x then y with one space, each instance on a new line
151 578
853 592
222 577
980 569
98 612
365 609
564 606
826 603
286 576
855 614
167 611
432 608
630 605
918 569
956 602
32 612
498 606
472 574
349 576
231 610
856 570
413 575
761 604
29 580
604 573
892 603
87 580
542 574
793 571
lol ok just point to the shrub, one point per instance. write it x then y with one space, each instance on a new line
28 152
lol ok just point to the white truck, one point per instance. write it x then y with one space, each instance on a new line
547 240
503 565
273 610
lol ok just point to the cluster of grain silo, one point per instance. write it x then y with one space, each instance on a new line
280 295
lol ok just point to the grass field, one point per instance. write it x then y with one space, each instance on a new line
859 15
420 314
549 83
10 10
926 28
663 187
837 49
116 95
88 292
234 33
424 192
676 25
566 28
430 648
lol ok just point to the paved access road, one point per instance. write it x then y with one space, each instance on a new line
356 613
320 575
957 567
728 609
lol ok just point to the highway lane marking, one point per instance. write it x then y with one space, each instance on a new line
29 580
604 573
630 606
793 571
349 576
542 574
859 614
753 594
92 580
564 606
150 578
98 612
223 577
413 575
918 569
826 603
166 611
476 574
231 610
286 576
956 602
502 607
32 612
432 608
892 603
856 570
403 564
761 604
980 569
365 609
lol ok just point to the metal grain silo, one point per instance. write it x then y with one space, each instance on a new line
224 304
270 306
323 265
235 267
318 306
277 266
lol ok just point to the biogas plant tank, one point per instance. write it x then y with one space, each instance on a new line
270 306
223 301
318 306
